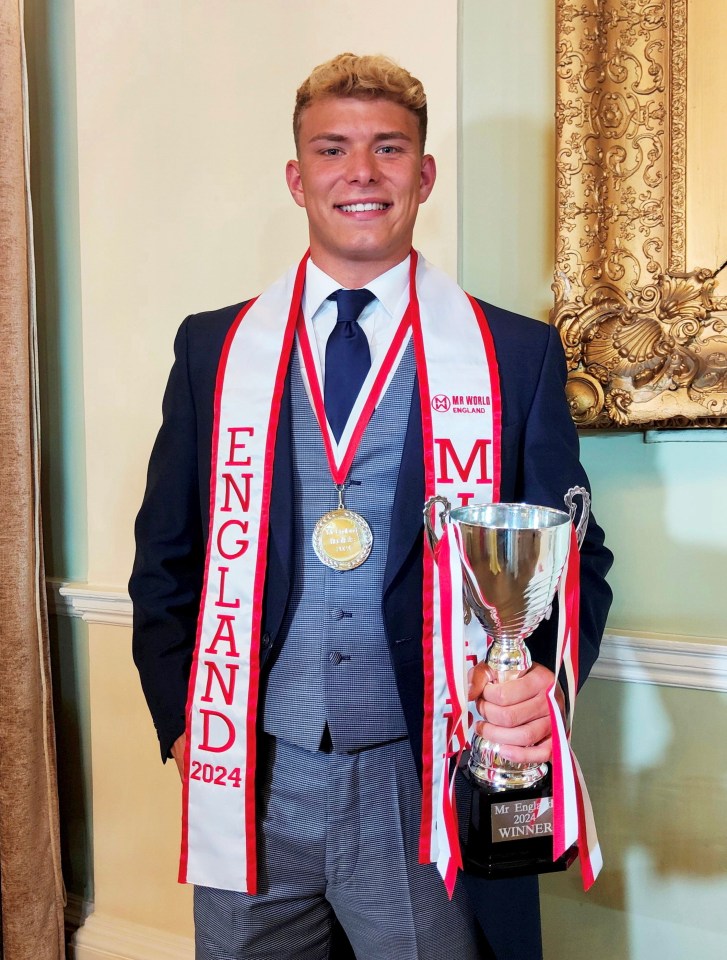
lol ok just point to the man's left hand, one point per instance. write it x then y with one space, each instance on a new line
515 714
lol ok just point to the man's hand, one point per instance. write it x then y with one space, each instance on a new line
178 748
515 714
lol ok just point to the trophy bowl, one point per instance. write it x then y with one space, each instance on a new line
513 556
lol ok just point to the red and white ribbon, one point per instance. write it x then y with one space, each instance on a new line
573 820
340 456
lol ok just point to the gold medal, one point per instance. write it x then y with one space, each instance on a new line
342 539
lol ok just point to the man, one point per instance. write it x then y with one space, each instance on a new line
300 566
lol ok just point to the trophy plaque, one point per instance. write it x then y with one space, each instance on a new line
512 557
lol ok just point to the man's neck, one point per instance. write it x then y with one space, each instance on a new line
354 274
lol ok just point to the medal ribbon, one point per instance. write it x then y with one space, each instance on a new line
340 463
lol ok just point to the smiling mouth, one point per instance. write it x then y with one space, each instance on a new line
361 207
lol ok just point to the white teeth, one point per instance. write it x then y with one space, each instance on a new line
362 207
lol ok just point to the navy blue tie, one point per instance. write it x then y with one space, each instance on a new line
348 358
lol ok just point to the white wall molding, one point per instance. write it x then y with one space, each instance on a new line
91 603
58 605
666 659
107 938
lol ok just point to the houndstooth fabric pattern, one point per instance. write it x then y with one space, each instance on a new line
338 833
334 665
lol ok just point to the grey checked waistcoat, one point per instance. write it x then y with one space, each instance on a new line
334 666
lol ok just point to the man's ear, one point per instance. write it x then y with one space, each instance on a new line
295 182
428 176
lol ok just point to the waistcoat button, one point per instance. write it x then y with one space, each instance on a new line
336 657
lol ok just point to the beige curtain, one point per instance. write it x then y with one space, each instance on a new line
31 887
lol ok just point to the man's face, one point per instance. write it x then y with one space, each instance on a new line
361 176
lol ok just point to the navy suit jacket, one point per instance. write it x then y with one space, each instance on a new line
539 463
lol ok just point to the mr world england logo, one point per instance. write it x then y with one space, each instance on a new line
460 403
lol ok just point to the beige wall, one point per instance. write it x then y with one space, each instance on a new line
183 133
136 801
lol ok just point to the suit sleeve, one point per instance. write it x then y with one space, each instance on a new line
550 466
166 581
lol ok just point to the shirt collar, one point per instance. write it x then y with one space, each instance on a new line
388 288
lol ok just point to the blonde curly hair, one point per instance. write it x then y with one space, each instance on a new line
367 78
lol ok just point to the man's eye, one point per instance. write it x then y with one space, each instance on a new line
388 148
331 152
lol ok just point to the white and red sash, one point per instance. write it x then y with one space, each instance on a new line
460 400
461 431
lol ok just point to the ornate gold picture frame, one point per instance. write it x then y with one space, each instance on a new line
645 343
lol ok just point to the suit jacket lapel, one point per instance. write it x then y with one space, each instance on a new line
406 516
280 541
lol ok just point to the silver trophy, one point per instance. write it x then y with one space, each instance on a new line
512 558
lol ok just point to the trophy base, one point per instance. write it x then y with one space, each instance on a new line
510 831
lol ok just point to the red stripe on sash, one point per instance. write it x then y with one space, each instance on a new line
562 752
450 877
573 599
584 853
428 585
558 790
496 395
446 602
443 560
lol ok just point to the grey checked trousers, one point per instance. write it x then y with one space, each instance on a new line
338 833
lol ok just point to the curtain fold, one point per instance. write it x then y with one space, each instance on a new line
31 886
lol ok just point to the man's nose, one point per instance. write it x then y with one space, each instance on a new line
362 167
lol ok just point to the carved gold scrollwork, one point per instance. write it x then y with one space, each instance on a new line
643 339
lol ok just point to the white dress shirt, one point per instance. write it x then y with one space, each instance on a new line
379 319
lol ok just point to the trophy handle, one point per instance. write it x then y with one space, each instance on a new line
573 509
429 521
433 540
